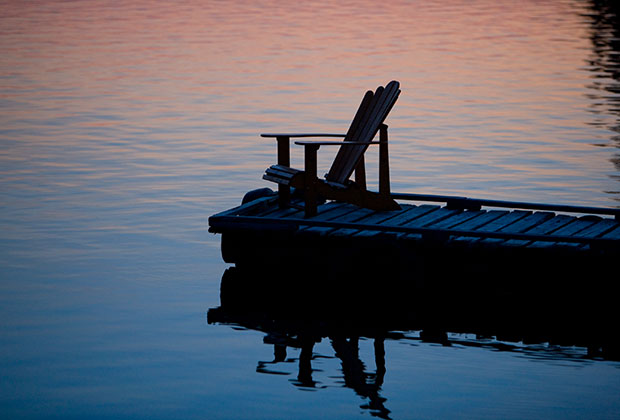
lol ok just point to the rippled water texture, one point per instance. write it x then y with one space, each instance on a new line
124 125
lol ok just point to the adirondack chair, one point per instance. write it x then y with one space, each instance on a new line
367 122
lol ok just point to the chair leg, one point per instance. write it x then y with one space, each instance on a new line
310 169
384 163
284 159
360 173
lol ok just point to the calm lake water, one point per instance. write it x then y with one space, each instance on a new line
125 125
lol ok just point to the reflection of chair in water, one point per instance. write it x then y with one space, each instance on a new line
355 376
304 378
366 385
250 300
367 122
280 343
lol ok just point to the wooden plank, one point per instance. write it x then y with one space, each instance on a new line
358 119
299 135
277 211
374 218
408 214
552 224
292 212
324 208
328 207
430 218
598 228
289 212
351 155
499 224
276 179
273 172
356 215
343 154
405 209
456 219
613 234
338 210
283 169
573 227
353 216
483 219
343 210
529 222
333 209
310 180
284 159
265 223
385 101
517 221
490 221
509 204
334 143
568 230
293 207
544 228
347 157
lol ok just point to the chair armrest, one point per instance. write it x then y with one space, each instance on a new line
292 135
333 143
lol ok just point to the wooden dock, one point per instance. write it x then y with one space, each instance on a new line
462 223
439 244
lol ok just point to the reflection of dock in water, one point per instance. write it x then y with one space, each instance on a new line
296 312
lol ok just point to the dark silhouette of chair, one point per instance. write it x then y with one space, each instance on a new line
367 122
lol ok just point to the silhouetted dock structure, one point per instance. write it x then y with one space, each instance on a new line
362 230
261 229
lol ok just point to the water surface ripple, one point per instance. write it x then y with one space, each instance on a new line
124 125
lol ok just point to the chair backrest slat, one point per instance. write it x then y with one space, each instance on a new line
359 115
350 154
358 125
371 113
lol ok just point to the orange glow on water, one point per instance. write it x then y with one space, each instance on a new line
490 89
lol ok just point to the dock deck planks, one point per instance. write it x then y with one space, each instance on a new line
483 228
